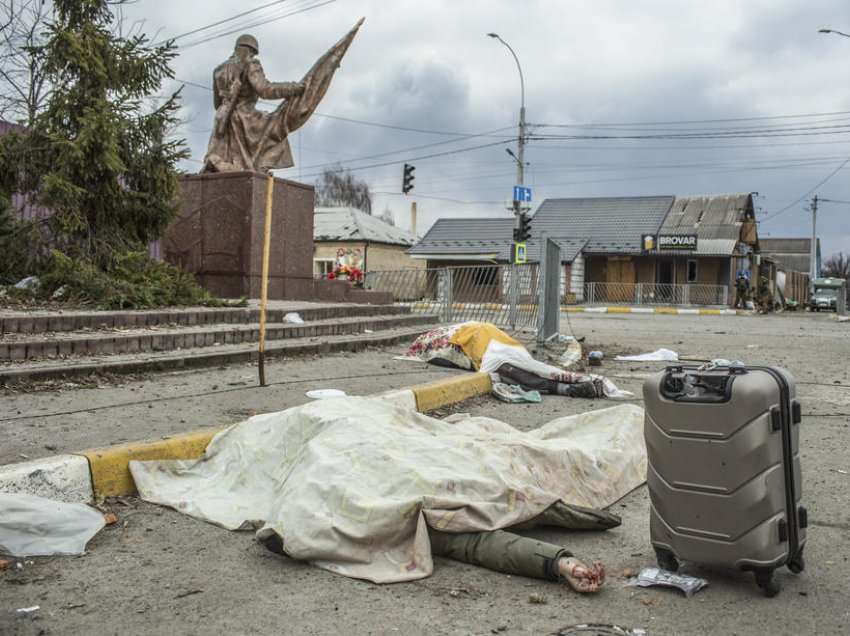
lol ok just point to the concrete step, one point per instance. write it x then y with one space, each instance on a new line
18 347
201 357
58 322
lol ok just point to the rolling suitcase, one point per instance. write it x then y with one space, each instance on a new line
724 469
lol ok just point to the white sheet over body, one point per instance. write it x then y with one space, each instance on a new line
352 484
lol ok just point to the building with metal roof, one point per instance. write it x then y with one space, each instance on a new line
466 239
348 235
617 241
609 225
790 254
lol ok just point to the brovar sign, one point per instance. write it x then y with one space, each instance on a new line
677 241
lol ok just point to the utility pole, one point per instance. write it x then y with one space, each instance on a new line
519 157
813 259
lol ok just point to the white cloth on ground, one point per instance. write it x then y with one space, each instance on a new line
658 355
36 526
352 484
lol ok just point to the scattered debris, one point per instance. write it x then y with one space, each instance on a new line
594 358
188 593
5 565
628 573
30 282
368 331
110 518
294 318
36 526
648 600
663 355
71 606
840 472
324 394
649 577
599 629
514 394
28 610
537 599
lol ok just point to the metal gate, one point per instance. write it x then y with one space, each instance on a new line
505 295
549 312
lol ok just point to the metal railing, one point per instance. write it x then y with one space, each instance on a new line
505 295
655 294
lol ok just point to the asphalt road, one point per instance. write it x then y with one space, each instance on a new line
159 572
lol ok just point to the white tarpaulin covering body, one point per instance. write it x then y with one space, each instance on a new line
352 484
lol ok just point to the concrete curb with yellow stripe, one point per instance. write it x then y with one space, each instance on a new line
105 472
674 311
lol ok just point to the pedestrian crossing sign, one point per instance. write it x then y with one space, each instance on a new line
520 253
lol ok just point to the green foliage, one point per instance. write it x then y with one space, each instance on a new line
133 282
99 155
19 245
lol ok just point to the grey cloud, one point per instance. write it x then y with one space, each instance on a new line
429 65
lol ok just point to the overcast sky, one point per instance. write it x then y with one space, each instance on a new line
428 65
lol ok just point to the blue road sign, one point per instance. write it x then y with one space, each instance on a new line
522 193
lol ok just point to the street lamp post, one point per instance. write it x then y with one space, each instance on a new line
520 155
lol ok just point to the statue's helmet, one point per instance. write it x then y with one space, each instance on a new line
248 40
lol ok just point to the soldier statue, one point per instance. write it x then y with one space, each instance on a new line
246 138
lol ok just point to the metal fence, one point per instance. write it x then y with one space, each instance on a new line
506 295
656 294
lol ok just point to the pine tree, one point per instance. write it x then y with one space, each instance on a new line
99 154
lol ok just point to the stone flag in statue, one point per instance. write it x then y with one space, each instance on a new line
244 138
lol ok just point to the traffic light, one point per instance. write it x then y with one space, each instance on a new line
407 179
523 232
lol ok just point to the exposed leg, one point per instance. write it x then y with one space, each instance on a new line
500 551
514 554
531 382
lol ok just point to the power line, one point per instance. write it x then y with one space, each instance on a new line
363 122
224 21
243 27
430 196
401 150
420 157
695 121
808 192
718 134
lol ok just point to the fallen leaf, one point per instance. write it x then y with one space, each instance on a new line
110 518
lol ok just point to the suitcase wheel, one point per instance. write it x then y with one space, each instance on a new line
765 580
797 564
666 560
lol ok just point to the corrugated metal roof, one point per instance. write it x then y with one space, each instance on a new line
612 224
785 245
485 237
467 236
716 219
789 253
348 224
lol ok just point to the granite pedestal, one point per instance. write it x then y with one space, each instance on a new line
218 235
